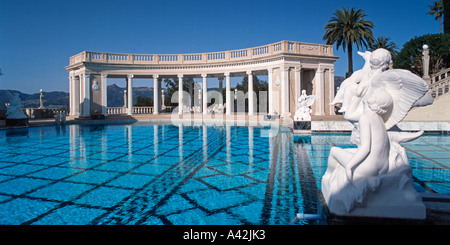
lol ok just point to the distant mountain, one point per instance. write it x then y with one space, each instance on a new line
51 99
115 94
61 99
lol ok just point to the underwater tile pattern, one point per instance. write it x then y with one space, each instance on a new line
164 174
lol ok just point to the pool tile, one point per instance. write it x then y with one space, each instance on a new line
198 217
49 161
20 169
175 203
223 182
131 181
151 168
20 210
104 197
116 166
62 191
250 212
55 173
213 200
21 185
70 215
92 177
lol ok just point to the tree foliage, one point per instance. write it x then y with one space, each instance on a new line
410 57
386 43
346 28
447 16
144 101
437 9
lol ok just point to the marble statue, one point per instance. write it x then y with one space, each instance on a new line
14 110
41 99
303 112
63 118
375 178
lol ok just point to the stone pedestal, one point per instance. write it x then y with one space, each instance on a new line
394 197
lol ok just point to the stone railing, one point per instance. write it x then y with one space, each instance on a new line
116 110
205 58
37 113
440 83
136 110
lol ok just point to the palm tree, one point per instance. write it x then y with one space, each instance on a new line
437 9
386 43
348 27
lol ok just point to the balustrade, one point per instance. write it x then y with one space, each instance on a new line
440 83
262 51
216 56
136 110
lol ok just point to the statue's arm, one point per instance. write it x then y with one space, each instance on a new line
363 149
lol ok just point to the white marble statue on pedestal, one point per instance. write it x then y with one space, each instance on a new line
14 110
375 178
303 112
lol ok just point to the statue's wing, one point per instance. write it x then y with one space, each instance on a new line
310 100
407 90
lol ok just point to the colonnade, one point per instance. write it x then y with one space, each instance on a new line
290 66
83 89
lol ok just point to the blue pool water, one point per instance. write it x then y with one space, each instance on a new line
165 174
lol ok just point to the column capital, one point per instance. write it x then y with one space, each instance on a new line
298 68
180 76
270 70
129 76
204 75
249 73
227 74
104 76
156 76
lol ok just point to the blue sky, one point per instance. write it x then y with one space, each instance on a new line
38 37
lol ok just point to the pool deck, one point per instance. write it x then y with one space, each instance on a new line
335 123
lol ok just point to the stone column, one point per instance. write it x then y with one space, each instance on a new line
205 95
298 84
71 94
284 89
270 96
319 92
332 92
251 106
104 94
156 95
76 96
191 95
130 94
87 95
228 93
180 94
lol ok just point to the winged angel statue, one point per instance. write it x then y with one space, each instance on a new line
375 178
303 112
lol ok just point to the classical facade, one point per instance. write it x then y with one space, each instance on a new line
289 66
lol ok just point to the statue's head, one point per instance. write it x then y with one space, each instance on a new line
380 59
379 101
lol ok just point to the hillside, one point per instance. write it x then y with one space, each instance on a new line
61 99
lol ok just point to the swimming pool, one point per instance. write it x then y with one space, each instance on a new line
168 174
